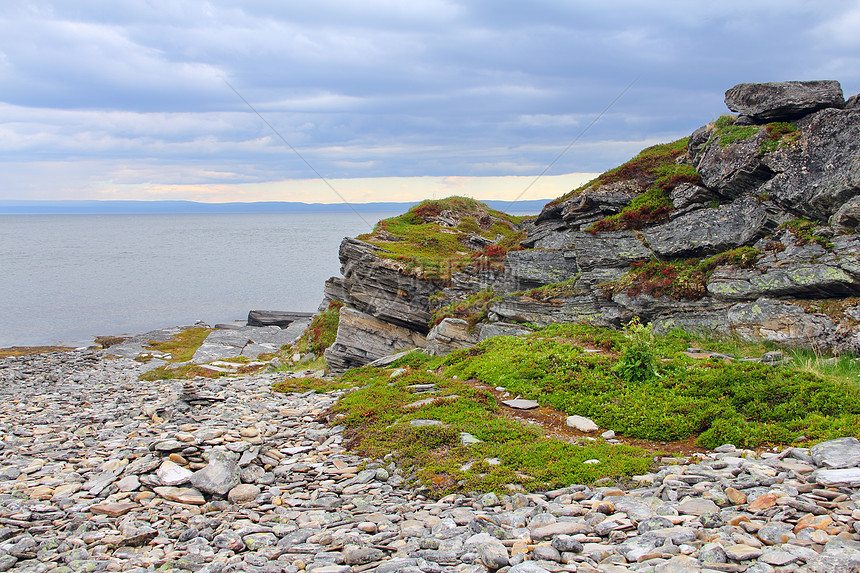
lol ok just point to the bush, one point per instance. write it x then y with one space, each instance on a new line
637 360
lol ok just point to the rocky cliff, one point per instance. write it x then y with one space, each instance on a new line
748 227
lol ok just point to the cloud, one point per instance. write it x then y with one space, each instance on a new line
383 88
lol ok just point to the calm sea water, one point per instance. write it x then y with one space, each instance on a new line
67 278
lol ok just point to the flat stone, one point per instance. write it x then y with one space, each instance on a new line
742 552
113 509
777 557
520 404
219 476
837 454
841 477
181 494
170 473
582 424
697 506
243 492
559 528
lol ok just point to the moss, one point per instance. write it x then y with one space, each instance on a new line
732 133
725 121
473 309
651 207
183 345
779 134
680 278
428 247
744 403
378 415
547 293
804 233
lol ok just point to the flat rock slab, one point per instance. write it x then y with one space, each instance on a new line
780 101
181 495
113 509
838 477
836 454
520 404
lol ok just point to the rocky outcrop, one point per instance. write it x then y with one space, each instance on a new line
362 338
782 101
787 192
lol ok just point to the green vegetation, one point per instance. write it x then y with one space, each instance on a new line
804 233
321 332
637 360
182 346
547 293
680 278
651 164
651 207
732 133
424 241
726 132
744 403
779 134
181 372
473 309
378 417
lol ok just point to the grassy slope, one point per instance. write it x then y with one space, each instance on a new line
429 248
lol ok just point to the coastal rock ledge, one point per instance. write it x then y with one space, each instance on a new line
748 227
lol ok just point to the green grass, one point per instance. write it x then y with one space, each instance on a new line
183 345
321 332
649 165
649 208
744 403
378 420
733 133
433 250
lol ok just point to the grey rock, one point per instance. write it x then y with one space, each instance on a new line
363 338
530 269
781 101
219 476
449 335
836 454
838 557
712 230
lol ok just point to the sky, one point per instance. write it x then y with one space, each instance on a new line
388 100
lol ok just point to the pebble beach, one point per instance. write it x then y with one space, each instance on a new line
100 471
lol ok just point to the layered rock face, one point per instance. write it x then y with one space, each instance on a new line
749 227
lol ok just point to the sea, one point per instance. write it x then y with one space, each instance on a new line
65 279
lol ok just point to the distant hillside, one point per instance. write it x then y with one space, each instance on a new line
154 207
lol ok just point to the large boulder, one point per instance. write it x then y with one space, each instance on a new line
736 169
712 230
782 101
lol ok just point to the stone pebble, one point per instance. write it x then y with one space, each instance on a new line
102 472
